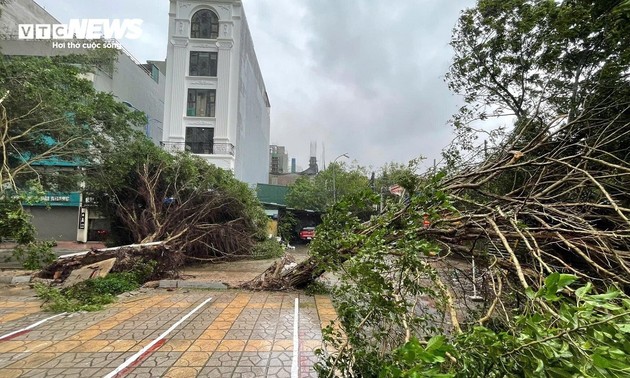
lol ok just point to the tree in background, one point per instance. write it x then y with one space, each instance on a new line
51 117
538 63
318 192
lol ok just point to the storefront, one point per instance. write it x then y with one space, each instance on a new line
57 216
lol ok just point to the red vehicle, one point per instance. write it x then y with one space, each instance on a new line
307 233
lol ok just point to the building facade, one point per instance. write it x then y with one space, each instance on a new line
67 216
278 159
216 103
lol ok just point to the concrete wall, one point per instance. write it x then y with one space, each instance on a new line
253 125
22 12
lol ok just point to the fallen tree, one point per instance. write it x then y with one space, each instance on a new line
163 261
200 211
543 209
557 202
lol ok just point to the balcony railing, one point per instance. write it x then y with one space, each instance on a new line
201 148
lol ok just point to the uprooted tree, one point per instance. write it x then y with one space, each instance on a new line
172 209
543 205
198 211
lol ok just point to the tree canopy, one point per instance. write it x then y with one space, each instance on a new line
319 191
52 122
51 116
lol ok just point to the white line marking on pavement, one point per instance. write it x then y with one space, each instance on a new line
295 365
8 335
142 351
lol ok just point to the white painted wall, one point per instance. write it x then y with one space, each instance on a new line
17 12
253 124
242 115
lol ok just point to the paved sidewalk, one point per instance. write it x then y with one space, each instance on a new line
236 334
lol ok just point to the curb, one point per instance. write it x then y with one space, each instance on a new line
15 280
176 284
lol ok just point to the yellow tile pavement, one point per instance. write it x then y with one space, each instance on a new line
33 360
200 345
258 345
231 346
193 359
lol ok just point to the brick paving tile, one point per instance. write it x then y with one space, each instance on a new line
182 372
280 359
193 359
237 334
142 372
12 373
69 360
217 371
224 359
249 372
278 372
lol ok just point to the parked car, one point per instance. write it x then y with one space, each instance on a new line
307 233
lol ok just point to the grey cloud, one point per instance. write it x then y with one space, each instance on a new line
391 58
362 76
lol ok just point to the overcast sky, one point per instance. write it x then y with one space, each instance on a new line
363 77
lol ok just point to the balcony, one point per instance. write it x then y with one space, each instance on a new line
200 148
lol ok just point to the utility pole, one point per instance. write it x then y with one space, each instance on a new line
334 167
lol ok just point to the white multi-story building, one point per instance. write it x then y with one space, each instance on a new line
216 104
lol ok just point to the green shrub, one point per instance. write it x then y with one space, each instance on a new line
34 255
93 294
317 288
559 333
268 249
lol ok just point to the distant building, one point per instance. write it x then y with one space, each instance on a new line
216 104
278 160
286 179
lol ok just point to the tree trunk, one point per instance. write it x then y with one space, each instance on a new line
286 274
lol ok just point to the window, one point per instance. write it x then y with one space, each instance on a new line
199 140
204 24
201 102
203 63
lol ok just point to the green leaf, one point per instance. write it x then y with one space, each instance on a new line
601 362
540 365
435 343
584 290
565 280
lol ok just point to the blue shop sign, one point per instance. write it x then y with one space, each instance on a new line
72 199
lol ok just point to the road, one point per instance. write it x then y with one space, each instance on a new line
167 334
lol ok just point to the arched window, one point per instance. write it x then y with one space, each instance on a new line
205 24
